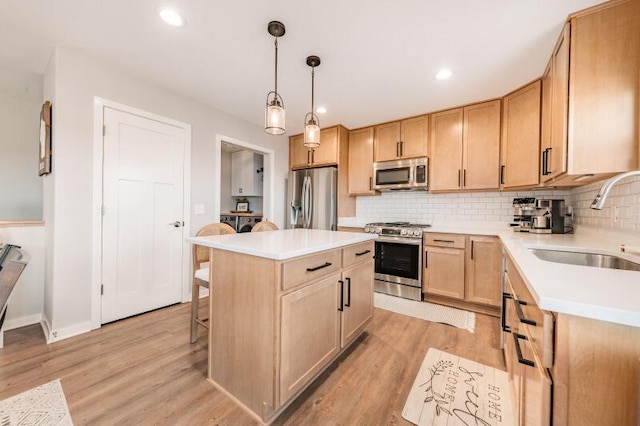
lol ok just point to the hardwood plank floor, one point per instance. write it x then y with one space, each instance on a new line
143 370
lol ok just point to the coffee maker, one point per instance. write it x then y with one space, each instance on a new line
540 216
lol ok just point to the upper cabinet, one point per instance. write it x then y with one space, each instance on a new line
521 137
402 139
594 96
246 174
465 148
301 157
361 162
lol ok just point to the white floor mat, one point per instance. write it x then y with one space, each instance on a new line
44 405
426 311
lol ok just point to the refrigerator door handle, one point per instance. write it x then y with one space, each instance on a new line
303 200
310 204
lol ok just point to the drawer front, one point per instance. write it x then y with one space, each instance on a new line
444 240
310 268
357 253
539 324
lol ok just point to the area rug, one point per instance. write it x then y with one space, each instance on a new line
450 390
42 406
426 311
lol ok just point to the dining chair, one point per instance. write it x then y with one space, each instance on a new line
201 266
264 225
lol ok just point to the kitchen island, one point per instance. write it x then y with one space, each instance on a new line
283 305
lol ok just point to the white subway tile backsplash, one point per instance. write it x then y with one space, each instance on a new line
424 207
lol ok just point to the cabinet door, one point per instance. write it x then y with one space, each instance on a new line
414 137
358 300
521 137
361 162
299 155
483 270
557 156
444 272
310 333
386 142
545 123
327 153
445 172
481 156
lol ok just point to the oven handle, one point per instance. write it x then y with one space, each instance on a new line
408 241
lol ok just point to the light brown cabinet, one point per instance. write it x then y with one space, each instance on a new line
402 139
520 149
465 148
357 282
361 162
483 270
301 157
594 87
462 269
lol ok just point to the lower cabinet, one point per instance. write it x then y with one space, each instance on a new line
322 318
462 269
310 333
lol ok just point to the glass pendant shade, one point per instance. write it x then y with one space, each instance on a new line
274 116
311 132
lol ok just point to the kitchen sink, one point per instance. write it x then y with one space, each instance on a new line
585 259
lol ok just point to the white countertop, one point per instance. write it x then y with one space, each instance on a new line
283 244
605 294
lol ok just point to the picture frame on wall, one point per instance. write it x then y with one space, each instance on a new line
44 163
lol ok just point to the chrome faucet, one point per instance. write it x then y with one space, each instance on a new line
598 202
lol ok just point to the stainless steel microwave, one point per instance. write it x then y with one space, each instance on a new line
407 174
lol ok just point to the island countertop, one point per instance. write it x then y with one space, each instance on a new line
283 244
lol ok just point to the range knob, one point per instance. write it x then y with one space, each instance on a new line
378 230
417 233
403 232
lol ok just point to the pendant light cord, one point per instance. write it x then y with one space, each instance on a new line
276 76
313 73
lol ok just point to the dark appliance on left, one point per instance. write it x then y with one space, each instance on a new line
398 258
241 223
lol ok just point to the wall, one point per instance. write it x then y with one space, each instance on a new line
423 207
20 185
621 209
78 78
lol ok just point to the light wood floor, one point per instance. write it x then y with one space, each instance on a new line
143 370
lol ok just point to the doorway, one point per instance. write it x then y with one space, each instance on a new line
141 182
226 198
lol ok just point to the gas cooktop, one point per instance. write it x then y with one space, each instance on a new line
397 229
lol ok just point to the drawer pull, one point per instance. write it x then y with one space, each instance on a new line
444 241
521 317
318 267
505 327
363 253
521 360
341 308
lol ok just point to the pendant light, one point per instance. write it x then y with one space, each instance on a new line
274 114
312 123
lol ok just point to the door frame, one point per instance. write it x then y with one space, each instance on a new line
97 193
267 185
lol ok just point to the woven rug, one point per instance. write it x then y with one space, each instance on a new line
42 406
450 390
426 311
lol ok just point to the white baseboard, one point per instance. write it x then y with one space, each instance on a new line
64 333
12 323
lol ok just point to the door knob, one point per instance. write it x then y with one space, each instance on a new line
177 223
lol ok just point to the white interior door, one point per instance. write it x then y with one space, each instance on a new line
142 214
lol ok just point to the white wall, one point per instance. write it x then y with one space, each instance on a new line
20 185
77 80
27 300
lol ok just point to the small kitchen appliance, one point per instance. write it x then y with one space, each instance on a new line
540 216
398 258
405 175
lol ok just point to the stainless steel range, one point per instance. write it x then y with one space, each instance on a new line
398 258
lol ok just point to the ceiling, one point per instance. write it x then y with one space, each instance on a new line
379 58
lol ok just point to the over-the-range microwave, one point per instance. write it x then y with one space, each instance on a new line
406 174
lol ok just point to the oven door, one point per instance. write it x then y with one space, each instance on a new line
399 260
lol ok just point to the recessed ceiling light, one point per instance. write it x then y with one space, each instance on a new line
444 73
171 17
321 110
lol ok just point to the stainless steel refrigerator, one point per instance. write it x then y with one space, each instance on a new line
312 199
